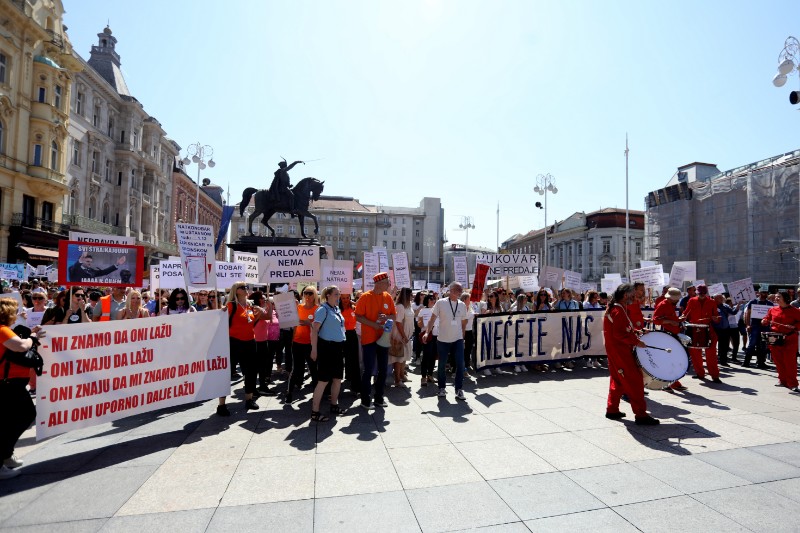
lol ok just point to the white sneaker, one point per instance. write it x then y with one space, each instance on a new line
460 395
517 369
7 473
496 371
596 364
487 372
523 368
442 393
12 462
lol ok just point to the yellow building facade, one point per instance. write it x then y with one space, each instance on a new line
36 73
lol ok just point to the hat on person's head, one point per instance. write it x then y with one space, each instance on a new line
702 289
38 290
35 281
674 294
380 276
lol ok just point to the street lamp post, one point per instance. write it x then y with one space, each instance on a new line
788 61
428 244
198 153
466 225
545 183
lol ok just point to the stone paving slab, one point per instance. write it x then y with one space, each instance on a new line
527 452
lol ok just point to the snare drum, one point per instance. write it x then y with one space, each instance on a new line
660 368
699 334
773 338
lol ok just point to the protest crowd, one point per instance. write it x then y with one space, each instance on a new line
355 346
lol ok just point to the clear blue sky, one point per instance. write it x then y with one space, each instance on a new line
463 100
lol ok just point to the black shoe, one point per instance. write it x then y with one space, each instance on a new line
762 367
647 421
724 363
716 380
381 402
646 393
615 416
796 389
251 405
288 397
235 376
222 410
264 391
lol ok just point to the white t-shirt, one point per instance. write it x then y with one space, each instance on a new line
425 314
472 310
451 315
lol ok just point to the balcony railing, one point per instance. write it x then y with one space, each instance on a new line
26 221
87 224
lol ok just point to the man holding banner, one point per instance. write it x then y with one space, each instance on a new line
452 314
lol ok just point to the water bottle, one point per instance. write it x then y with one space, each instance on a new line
386 339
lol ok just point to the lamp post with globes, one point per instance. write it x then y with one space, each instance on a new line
545 183
788 61
198 154
466 225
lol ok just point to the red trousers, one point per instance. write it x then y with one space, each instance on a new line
785 359
711 360
626 378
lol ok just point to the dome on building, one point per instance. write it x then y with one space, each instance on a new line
46 60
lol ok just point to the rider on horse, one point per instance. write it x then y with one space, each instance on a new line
281 185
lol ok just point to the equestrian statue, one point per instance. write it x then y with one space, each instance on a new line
281 197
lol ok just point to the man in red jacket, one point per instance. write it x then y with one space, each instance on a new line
703 310
626 376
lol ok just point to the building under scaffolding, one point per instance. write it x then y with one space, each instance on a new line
736 224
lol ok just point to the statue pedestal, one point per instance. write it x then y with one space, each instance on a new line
250 243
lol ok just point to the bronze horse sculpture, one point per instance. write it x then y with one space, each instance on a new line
304 192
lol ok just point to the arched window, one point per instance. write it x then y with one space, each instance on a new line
54 156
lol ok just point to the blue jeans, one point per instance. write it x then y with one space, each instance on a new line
372 353
457 350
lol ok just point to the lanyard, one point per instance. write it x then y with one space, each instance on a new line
451 307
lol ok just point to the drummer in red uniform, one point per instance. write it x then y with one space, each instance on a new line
784 318
635 307
703 310
626 377
666 316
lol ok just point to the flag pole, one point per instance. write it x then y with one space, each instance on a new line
627 214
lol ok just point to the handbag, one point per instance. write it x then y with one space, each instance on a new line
29 358
397 348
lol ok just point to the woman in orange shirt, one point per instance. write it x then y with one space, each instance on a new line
242 316
18 411
351 345
301 344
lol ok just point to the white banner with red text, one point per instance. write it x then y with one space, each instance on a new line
103 371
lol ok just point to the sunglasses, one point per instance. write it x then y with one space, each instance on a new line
308 294
212 297
37 297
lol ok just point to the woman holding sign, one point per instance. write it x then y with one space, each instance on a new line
301 344
242 317
18 411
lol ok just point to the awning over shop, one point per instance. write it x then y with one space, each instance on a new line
41 254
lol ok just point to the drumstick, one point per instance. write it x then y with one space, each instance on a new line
668 350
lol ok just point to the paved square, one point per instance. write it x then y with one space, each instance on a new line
527 452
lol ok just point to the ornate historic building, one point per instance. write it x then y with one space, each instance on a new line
120 160
37 70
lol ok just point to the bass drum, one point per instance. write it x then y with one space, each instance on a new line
662 368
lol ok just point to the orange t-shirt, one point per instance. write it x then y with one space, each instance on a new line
370 305
14 370
349 315
240 328
302 334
